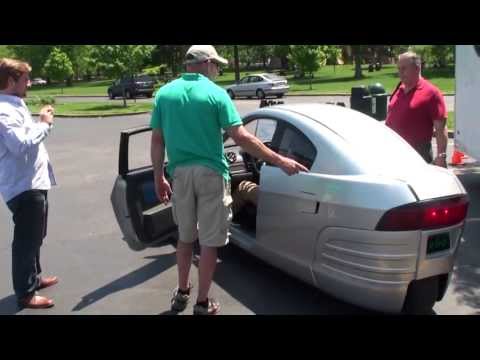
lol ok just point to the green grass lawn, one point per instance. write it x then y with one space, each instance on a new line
326 80
95 108
93 88
451 120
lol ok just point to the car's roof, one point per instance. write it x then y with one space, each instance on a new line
339 119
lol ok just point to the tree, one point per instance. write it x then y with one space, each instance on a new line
58 66
4 51
358 51
172 55
332 54
122 60
35 55
308 58
282 52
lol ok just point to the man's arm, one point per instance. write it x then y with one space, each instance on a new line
256 148
19 138
157 153
441 135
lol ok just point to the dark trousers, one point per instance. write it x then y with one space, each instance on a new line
30 212
425 151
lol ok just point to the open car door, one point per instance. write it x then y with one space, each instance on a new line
143 220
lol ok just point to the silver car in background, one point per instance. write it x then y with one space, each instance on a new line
260 86
371 223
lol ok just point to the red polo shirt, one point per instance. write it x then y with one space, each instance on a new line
412 114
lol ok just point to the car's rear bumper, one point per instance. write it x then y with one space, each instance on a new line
276 91
373 269
144 91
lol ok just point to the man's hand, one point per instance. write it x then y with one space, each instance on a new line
440 161
291 167
163 189
46 114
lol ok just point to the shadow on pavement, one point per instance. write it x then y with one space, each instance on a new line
160 264
8 305
264 289
467 266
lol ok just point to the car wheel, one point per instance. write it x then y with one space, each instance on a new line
110 95
149 95
421 296
231 94
260 94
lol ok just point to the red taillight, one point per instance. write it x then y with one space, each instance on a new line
425 215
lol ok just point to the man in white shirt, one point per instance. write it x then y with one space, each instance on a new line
25 178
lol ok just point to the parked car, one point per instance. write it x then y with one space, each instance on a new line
259 85
134 86
371 223
38 81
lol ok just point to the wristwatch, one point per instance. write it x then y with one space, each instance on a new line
442 155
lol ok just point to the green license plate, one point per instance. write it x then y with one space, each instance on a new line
437 243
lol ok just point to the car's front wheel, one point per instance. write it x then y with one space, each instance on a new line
421 296
231 94
260 94
110 95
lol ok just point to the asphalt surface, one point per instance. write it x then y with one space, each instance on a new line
99 274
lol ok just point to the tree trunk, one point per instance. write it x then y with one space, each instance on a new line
237 64
124 98
358 63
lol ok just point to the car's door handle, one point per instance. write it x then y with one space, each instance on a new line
314 209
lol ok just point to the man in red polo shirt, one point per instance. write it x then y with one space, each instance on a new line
416 108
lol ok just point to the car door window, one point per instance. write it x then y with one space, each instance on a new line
245 80
264 129
295 145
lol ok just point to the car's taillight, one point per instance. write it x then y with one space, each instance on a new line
425 215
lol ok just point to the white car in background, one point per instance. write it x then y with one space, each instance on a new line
260 86
39 81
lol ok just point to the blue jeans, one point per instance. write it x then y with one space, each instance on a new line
30 213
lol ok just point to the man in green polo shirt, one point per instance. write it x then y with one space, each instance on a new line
188 117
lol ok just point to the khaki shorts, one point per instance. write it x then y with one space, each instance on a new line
201 205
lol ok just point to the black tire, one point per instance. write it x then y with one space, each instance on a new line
260 94
149 95
231 94
421 296
110 95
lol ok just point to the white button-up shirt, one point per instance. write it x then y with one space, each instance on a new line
24 161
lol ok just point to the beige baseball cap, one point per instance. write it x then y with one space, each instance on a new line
199 53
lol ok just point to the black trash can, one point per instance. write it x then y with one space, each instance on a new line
379 102
361 100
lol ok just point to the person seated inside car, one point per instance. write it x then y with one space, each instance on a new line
245 196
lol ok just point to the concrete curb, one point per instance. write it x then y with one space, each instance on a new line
96 115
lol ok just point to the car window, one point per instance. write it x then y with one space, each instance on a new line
144 78
264 129
295 145
273 77
245 80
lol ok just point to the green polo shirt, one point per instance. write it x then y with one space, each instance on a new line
191 112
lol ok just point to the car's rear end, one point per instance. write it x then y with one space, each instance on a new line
276 85
393 223
144 85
